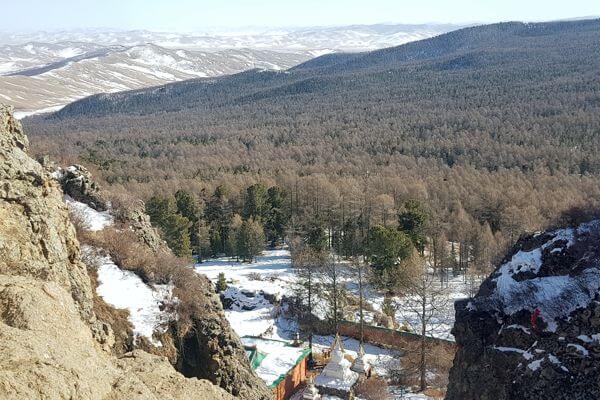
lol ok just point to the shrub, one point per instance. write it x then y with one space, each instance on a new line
221 283
130 253
372 389
255 276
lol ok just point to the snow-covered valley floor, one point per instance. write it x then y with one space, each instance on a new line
250 313
252 289
272 275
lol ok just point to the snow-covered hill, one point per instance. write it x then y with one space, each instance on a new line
346 38
41 72
52 84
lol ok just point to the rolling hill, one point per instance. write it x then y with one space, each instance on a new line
41 72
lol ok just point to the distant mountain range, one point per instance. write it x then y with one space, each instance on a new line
345 38
498 48
44 71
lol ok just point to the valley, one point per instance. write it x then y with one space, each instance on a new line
371 211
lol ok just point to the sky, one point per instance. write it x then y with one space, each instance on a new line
199 15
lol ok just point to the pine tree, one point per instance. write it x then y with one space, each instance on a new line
188 206
387 247
278 216
176 233
221 285
203 246
234 230
159 208
216 243
250 240
256 202
174 227
218 214
412 222
352 241
316 236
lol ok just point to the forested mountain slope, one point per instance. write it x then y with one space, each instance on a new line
524 85
501 121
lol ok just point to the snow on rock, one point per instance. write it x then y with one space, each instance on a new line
125 290
270 273
526 354
579 348
555 296
92 220
535 365
547 290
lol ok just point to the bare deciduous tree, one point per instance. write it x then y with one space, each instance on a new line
428 301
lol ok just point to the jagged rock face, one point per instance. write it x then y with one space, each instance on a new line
47 325
37 238
213 350
135 216
533 330
77 182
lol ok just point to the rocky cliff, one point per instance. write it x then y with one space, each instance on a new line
51 343
533 329
207 347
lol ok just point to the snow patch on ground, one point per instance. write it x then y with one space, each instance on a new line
125 290
270 273
92 220
251 314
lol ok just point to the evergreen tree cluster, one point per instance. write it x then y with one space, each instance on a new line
218 224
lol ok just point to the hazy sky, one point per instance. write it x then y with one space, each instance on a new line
196 15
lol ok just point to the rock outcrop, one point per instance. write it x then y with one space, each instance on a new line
134 215
76 181
50 342
533 329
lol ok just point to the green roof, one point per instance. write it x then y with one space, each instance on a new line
256 357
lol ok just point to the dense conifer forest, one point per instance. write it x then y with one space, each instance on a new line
492 131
